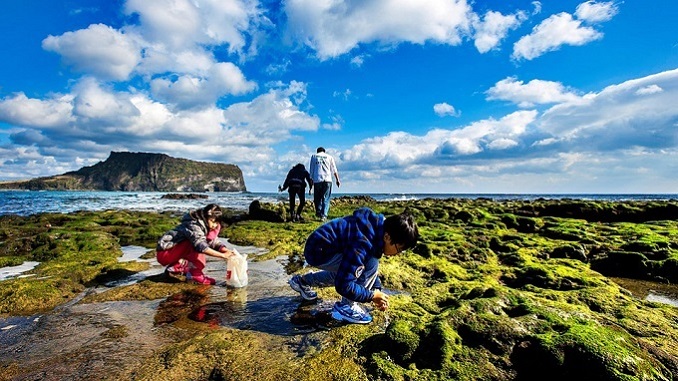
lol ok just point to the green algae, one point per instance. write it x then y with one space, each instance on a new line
495 290
75 251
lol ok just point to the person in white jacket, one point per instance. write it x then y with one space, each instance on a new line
322 168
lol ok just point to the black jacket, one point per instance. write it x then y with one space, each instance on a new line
296 176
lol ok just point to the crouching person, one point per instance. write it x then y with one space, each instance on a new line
347 250
183 248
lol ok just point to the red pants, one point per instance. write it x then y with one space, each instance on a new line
185 250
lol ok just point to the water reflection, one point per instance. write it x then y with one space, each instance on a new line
16 271
132 253
650 291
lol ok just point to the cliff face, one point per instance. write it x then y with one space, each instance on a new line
128 171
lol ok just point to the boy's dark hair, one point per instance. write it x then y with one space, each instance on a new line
402 229
320 149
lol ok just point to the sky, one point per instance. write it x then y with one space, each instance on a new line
409 96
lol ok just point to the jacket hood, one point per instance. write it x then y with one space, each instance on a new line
187 219
371 224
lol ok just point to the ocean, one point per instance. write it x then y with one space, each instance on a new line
33 202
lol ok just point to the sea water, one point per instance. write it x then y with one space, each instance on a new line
33 202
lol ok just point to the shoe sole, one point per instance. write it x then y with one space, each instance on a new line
206 283
178 276
338 316
303 295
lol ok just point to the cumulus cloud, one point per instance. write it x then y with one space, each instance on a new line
171 36
493 28
528 94
445 109
624 115
93 105
651 89
269 118
401 149
584 142
181 24
594 12
335 28
187 91
99 50
20 110
93 120
554 32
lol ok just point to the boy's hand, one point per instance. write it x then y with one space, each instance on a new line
380 300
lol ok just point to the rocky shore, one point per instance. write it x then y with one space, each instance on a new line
495 290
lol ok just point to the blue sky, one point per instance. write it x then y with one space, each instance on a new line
438 96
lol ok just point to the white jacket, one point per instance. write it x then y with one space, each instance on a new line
322 167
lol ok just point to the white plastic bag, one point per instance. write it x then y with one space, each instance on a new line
236 270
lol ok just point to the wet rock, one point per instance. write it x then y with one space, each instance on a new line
572 252
258 211
184 196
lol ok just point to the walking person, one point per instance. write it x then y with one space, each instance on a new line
322 168
347 250
296 181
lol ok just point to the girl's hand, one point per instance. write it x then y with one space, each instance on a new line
228 253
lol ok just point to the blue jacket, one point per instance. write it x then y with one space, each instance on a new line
357 237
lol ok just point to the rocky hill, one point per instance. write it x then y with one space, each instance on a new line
138 171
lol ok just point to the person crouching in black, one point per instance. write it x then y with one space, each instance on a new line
296 181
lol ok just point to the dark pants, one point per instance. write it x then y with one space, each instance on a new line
297 191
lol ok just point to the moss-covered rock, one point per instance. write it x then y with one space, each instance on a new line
495 290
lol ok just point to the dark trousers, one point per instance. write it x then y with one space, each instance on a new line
294 192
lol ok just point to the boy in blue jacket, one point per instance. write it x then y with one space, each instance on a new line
347 250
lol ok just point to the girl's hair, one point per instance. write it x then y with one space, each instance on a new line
211 211
402 229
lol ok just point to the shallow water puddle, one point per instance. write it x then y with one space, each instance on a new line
16 271
266 305
650 291
78 341
132 253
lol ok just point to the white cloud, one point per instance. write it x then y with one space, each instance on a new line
269 118
94 105
359 60
537 7
172 36
334 28
94 120
187 91
651 89
401 149
20 110
181 24
98 50
501 144
336 125
444 109
594 12
587 144
345 95
493 28
554 32
534 92
623 115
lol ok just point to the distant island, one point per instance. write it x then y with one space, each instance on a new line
140 171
